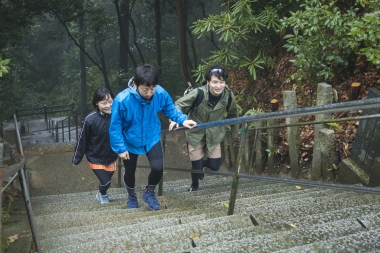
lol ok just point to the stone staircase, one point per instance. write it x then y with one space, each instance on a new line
269 217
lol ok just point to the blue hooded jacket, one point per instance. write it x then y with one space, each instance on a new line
135 126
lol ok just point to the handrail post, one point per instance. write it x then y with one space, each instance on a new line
76 127
45 112
63 133
25 191
238 165
69 128
56 133
163 138
29 209
119 161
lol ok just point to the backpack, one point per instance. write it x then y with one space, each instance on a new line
199 98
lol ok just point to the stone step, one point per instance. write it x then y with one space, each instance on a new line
87 221
146 236
296 238
363 241
278 225
292 209
118 197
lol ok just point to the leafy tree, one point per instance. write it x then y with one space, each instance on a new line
328 36
249 34
4 69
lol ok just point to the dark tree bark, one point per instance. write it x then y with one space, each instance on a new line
123 20
157 15
182 43
83 82
83 50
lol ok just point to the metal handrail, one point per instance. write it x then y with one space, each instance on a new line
56 127
19 168
298 112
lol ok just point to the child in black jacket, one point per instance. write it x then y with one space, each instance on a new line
94 141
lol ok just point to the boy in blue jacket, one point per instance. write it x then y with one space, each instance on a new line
135 130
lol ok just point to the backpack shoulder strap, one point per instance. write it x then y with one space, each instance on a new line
197 101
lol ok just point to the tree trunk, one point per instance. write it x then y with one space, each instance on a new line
157 14
123 16
182 43
82 57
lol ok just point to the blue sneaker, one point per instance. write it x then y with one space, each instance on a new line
150 198
132 202
103 199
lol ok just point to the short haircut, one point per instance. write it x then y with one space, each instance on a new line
100 95
216 70
146 74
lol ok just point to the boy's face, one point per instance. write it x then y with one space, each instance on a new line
216 85
105 106
146 91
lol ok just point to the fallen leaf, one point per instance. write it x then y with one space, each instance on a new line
226 205
12 238
193 236
83 178
293 226
298 187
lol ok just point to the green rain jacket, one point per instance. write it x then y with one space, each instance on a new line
207 113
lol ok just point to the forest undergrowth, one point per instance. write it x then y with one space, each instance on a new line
270 84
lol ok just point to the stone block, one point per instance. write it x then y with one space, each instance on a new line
350 173
329 157
1 154
374 179
9 133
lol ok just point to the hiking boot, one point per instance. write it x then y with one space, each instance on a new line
132 202
150 198
193 188
201 176
103 199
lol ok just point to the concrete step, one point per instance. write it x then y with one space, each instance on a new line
283 225
287 218
295 238
171 235
363 241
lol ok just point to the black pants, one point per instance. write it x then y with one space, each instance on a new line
212 163
156 160
105 180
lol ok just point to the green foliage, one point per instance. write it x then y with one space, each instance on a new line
249 33
4 69
253 111
334 126
326 36
271 150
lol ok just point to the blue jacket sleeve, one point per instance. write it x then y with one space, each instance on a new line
171 111
116 128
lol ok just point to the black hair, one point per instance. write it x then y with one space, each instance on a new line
101 94
216 70
146 74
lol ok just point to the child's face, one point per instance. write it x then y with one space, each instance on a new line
146 91
216 85
105 106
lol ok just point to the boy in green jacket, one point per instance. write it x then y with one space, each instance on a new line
206 142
